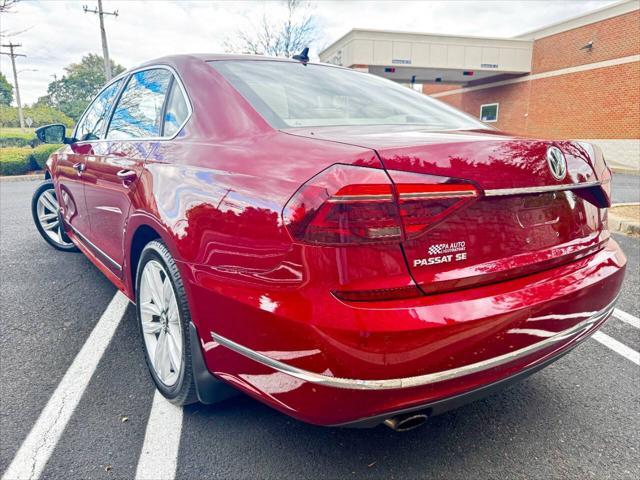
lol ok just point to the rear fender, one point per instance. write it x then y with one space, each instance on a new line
135 222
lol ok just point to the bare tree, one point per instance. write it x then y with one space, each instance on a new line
6 5
273 35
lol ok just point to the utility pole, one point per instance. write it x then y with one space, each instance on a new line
103 33
13 56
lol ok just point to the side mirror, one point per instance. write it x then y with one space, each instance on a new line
55 133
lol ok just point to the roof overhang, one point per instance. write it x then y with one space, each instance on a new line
407 57
608 11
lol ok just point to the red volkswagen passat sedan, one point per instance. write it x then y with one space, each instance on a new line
338 246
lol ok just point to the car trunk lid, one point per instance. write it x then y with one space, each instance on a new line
524 219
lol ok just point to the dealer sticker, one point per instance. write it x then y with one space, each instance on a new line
443 253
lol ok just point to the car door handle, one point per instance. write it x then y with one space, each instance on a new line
127 176
126 173
79 167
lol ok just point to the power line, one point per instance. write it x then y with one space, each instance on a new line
103 33
11 46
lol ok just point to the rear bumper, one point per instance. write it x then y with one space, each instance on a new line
565 338
435 354
439 407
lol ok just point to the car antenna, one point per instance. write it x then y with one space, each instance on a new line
302 57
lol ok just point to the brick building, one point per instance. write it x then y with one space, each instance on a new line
578 79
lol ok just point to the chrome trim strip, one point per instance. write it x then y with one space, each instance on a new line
452 194
498 192
403 196
92 245
547 188
360 198
408 382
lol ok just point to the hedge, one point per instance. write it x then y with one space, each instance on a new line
40 115
15 161
18 139
41 153
20 160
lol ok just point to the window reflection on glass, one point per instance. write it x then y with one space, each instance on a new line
289 94
91 125
176 111
138 113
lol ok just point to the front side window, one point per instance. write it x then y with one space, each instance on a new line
138 113
489 112
289 94
92 123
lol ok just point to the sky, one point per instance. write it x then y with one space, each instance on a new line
56 33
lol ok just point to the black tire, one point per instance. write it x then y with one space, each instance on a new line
183 392
65 244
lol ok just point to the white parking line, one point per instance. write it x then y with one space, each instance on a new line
627 318
159 456
36 449
618 347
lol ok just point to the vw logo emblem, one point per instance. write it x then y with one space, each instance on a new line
557 163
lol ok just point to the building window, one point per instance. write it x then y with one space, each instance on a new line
489 112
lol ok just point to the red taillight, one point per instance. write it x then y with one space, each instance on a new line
426 200
344 205
348 205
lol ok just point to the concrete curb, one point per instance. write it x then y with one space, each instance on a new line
624 225
626 170
22 178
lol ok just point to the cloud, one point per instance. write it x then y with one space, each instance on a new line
60 33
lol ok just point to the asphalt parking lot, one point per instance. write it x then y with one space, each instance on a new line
576 419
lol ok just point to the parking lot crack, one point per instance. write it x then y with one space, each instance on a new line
70 284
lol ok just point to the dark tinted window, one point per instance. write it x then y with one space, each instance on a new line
138 113
176 111
489 113
91 125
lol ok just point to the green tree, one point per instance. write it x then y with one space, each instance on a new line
72 93
6 91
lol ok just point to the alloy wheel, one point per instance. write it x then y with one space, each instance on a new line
161 326
48 218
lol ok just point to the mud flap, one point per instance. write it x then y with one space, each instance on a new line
63 230
210 389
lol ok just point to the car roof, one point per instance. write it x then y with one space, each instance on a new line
239 56
181 58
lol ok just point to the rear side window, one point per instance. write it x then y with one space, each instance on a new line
92 123
138 113
176 111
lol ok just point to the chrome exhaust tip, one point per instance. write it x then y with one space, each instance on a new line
404 423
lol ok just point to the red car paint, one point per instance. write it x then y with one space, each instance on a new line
217 195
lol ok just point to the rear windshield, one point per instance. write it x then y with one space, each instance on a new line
289 94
